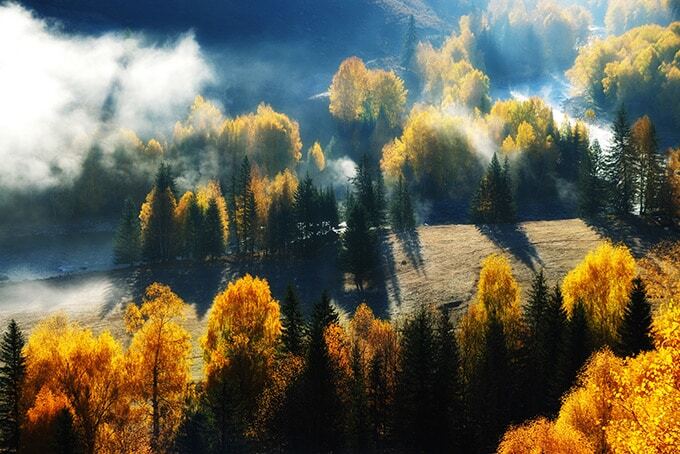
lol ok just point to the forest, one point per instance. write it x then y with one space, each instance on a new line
265 188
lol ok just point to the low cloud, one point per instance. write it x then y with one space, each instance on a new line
61 93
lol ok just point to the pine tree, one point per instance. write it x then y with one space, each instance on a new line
590 184
620 166
410 43
359 424
538 301
360 244
12 373
493 201
158 242
448 411
402 217
415 407
128 246
195 246
213 234
635 330
547 345
650 168
293 324
492 388
575 350
324 414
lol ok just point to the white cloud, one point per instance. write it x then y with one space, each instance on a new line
60 92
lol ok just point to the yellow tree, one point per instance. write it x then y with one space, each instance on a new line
348 90
274 142
159 360
88 373
602 282
315 155
242 334
542 436
498 294
386 96
212 191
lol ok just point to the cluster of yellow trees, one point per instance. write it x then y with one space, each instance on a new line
619 405
133 399
638 69
361 94
622 15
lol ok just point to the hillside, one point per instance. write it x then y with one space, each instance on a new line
441 267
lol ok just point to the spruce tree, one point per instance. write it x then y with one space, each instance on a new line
410 43
589 182
158 242
245 209
620 166
359 244
213 233
12 373
359 430
493 202
128 245
293 324
324 413
575 349
194 244
635 330
650 168
402 217
415 407
448 407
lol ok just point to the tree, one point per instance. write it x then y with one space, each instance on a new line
415 405
294 330
245 214
324 413
84 373
359 244
12 373
620 166
649 166
128 242
213 232
602 283
577 345
242 335
159 356
402 217
493 201
157 217
410 43
636 326
590 181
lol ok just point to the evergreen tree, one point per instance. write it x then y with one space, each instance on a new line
401 208
620 166
590 184
538 301
128 241
492 388
369 192
324 412
448 408
635 330
158 241
415 414
410 44
293 324
575 350
12 373
493 201
194 244
360 244
359 424
213 234
281 223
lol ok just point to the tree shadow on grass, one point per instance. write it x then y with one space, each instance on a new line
410 242
637 234
513 238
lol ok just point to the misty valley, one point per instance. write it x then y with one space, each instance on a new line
391 226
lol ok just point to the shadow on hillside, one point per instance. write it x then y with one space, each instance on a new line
512 238
637 234
410 242
198 283
387 279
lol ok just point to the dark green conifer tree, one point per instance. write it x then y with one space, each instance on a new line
213 234
128 245
359 244
620 166
293 324
590 181
577 345
635 330
193 231
159 240
12 373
